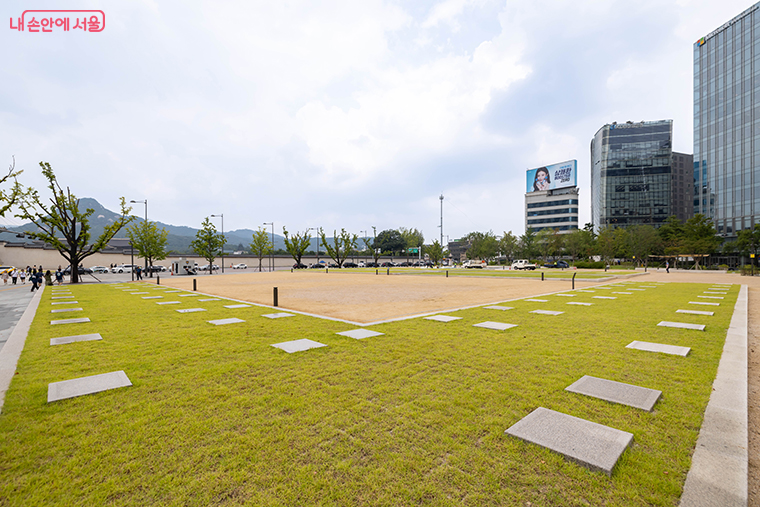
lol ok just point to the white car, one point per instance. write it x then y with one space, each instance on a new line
124 268
99 269
240 266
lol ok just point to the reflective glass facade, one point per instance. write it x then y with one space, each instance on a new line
727 124
631 174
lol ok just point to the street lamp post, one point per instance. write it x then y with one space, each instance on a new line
364 236
144 201
271 252
374 244
211 268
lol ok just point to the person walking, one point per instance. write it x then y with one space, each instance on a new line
22 275
138 272
14 275
48 277
667 267
33 279
59 276
5 277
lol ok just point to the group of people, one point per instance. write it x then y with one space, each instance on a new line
35 274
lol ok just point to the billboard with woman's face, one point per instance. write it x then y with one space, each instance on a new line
553 176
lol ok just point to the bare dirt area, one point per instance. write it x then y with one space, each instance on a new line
367 297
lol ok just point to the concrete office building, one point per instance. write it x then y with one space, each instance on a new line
636 178
727 124
551 201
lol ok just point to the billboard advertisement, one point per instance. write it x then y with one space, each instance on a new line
564 174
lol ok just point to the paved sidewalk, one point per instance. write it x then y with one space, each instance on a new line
13 302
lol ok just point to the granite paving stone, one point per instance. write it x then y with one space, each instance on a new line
187 295
498 326
64 310
703 303
298 345
65 303
628 293
168 302
616 392
277 315
237 306
538 300
135 293
75 338
497 307
210 299
547 312
62 297
566 295
659 347
586 291
711 297
578 303
70 321
191 310
153 297
682 325
87 385
604 297
360 334
442 318
695 312
221 322
589 444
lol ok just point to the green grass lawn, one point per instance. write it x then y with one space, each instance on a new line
216 416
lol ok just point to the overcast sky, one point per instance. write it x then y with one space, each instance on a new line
340 114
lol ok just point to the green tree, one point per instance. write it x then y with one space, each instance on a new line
528 244
149 240
342 245
261 245
412 239
389 242
435 252
297 244
748 240
63 226
9 198
605 243
644 241
482 245
208 243
508 245
700 237
622 243
672 235
579 243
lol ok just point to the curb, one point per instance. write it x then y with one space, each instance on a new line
719 466
11 351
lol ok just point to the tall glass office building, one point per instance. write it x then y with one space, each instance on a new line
631 180
727 124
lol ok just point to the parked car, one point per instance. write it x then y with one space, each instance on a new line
299 266
558 264
81 270
386 265
318 265
350 265
403 264
156 268
371 265
99 269
362 264
523 264
240 266
124 268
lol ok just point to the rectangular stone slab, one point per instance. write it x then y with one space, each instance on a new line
187 295
586 291
222 322
629 293
589 444
153 297
65 303
168 303
498 326
237 306
682 325
87 385
616 392
277 315
633 288
695 312
70 321
497 307
566 295
711 297
538 300
76 338
63 310
298 345
579 303
547 312
141 293
210 299
604 297
702 303
360 334
62 297
659 347
173 291
715 293
191 310
442 318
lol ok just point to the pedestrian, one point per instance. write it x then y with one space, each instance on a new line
138 272
5 277
48 277
33 279
14 275
667 267
59 276
22 275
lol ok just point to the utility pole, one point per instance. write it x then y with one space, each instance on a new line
441 198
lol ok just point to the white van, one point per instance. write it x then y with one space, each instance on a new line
523 264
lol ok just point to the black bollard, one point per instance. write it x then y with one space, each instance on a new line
574 280
542 276
388 272
275 297
158 279
377 271
195 287
326 270
447 273
291 270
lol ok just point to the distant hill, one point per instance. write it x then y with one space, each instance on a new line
179 237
